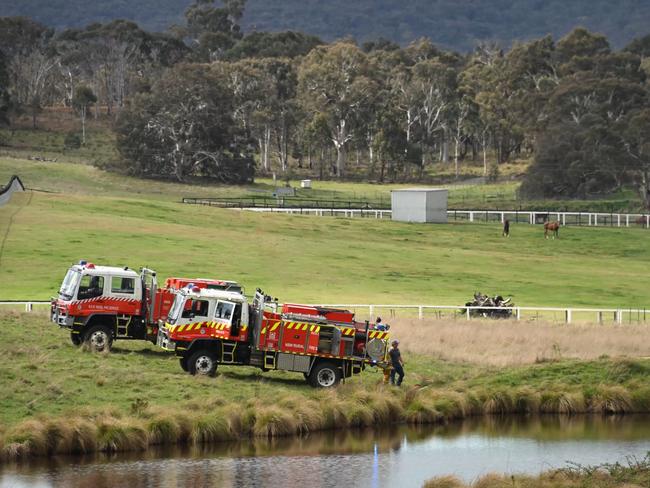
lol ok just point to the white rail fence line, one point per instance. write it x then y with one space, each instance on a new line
567 312
29 304
588 219
639 315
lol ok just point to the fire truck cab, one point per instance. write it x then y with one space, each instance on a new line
209 327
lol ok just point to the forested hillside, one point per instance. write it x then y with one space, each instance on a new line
209 101
456 24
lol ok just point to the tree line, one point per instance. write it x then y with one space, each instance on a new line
206 100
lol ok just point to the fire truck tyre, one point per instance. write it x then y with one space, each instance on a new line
183 362
202 363
76 339
324 375
99 338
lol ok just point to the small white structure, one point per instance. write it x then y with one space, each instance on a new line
419 205
305 184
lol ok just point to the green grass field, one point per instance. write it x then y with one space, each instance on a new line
115 220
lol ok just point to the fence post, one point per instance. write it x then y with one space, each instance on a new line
619 316
518 313
371 310
28 307
420 312
471 216
467 313
568 315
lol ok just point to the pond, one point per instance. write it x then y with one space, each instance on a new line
397 457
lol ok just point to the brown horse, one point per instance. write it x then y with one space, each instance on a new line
553 227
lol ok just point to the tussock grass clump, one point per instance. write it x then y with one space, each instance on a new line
163 430
612 400
40 438
29 438
333 410
498 403
115 436
307 413
452 405
421 411
274 421
562 402
72 436
641 398
384 407
241 423
211 428
525 400
444 482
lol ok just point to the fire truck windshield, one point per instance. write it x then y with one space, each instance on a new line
176 309
70 284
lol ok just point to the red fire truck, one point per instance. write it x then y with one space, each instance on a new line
102 303
210 327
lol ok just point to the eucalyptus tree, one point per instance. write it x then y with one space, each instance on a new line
30 63
185 128
335 83
82 100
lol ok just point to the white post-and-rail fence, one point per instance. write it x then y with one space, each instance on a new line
567 314
28 304
587 219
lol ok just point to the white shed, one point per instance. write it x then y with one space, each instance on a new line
419 205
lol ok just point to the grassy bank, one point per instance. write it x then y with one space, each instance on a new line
635 473
64 399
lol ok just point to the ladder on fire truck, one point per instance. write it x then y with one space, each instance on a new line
228 352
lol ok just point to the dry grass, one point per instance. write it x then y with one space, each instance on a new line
633 474
503 343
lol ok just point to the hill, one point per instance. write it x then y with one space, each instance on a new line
456 24
300 258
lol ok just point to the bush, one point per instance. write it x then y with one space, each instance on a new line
71 141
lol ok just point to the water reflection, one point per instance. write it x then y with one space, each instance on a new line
399 456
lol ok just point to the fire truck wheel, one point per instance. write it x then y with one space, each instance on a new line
324 375
76 339
99 338
183 362
202 363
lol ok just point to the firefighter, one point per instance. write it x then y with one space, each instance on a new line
379 325
397 364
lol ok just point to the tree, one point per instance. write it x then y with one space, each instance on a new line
211 30
184 128
82 100
334 82
30 62
636 140
5 100
287 44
